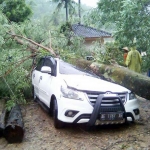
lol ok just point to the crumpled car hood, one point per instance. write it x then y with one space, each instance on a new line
89 83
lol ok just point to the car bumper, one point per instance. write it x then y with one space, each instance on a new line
82 111
132 110
77 106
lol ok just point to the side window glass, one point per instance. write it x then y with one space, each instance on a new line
48 63
40 64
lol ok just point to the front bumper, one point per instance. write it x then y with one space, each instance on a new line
87 114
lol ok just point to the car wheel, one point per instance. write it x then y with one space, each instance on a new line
33 94
57 123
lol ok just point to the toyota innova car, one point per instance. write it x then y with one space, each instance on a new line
75 96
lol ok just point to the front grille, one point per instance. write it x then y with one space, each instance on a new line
111 109
107 102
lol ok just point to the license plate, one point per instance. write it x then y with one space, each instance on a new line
111 116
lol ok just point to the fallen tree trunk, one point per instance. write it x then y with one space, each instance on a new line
2 116
14 130
137 83
2 122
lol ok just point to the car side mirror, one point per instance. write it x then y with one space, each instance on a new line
46 69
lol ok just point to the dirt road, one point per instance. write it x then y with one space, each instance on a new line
41 135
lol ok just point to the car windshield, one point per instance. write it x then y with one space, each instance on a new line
68 69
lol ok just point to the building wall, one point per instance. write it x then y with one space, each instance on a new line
89 41
102 40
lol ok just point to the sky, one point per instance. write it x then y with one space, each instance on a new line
92 3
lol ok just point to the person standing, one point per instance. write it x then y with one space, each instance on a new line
134 60
126 50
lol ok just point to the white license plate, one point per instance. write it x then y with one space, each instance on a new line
111 116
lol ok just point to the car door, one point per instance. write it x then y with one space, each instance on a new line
36 76
45 81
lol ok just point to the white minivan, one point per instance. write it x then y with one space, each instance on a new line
75 96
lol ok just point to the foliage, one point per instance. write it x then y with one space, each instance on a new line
128 24
14 65
92 18
108 53
128 20
146 62
10 104
16 10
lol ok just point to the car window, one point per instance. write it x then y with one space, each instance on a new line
66 68
40 64
48 62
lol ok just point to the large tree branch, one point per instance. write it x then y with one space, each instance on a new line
30 43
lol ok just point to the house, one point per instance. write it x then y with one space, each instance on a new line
91 34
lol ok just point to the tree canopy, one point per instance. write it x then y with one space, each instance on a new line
130 18
16 10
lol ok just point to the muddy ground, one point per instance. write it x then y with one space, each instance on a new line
40 133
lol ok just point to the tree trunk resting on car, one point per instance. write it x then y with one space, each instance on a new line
14 130
137 83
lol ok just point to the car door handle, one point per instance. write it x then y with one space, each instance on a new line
40 77
33 75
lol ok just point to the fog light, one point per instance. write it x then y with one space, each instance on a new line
71 113
136 111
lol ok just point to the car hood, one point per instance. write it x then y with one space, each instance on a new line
89 83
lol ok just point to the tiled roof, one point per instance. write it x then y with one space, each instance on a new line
84 31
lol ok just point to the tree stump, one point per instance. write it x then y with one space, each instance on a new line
14 130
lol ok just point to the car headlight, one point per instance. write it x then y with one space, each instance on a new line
132 96
71 93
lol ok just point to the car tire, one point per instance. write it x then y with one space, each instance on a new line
33 94
57 123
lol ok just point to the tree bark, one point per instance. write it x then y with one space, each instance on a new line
2 122
136 82
2 116
14 130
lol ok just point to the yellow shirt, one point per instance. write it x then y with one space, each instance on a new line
134 60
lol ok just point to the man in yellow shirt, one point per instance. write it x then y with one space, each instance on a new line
134 60
126 50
